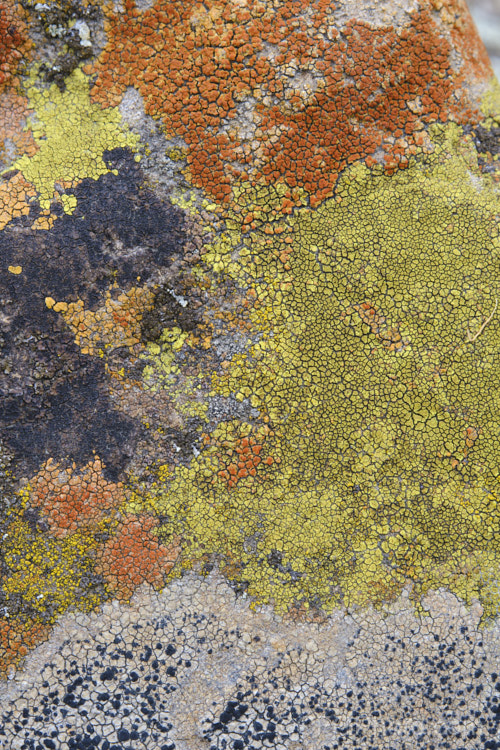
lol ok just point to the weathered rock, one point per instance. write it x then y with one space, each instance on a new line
249 326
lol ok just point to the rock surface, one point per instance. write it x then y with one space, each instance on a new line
249 345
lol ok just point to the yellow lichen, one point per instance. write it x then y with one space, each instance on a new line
114 324
382 415
71 134
46 573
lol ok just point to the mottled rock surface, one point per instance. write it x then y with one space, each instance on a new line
249 381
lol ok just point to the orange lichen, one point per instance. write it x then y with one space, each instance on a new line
71 501
14 110
470 436
135 555
313 100
240 457
389 336
15 195
15 192
17 637
14 42
245 463
116 323
45 220
14 47
466 41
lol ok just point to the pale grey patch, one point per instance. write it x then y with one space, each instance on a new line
217 672
375 12
164 173
84 33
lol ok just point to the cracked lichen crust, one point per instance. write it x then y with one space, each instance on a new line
376 382
193 668
72 135
271 346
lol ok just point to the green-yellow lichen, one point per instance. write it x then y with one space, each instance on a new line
162 371
378 380
71 134
46 573
490 104
162 357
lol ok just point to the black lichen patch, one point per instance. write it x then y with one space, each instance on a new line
487 141
118 232
168 311
66 413
53 398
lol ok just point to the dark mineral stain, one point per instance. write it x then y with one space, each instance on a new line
53 399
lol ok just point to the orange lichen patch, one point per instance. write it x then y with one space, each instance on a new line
241 458
14 42
280 94
134 556
15 195
71 501
114 324
475 62
16 639
45 220
14 137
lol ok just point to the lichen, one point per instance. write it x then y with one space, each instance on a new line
331 94
46 573
378 399
72 135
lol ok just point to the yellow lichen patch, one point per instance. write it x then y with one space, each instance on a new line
162 367
253 205
381 412
162 372
71 134
490 104
15 270
116 323
45 572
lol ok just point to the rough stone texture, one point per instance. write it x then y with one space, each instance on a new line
249 347
194 667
